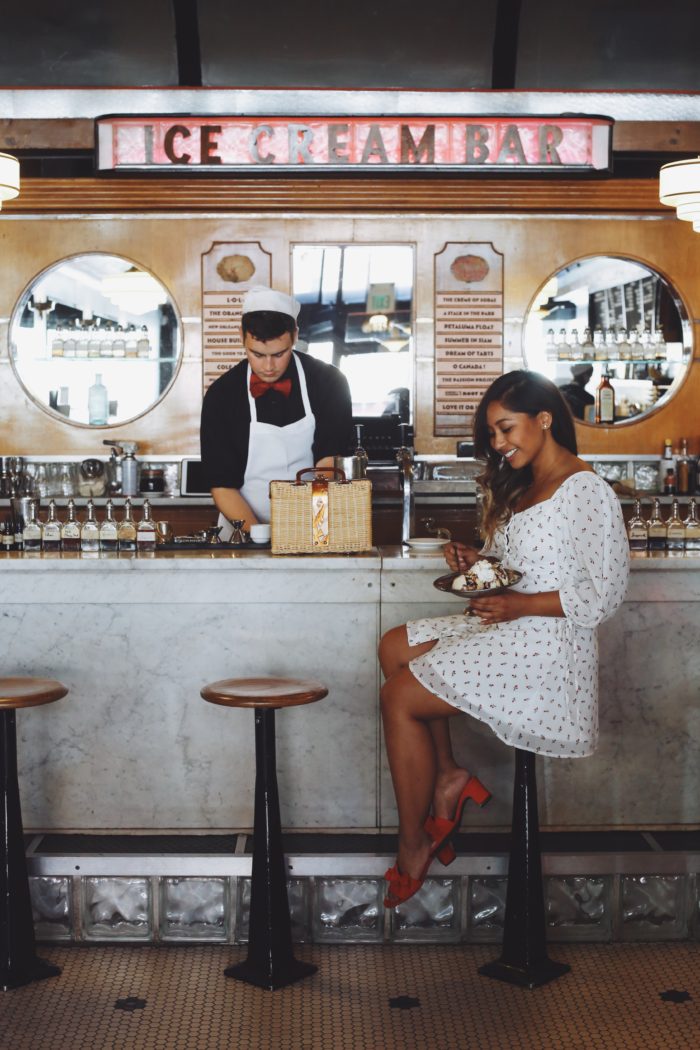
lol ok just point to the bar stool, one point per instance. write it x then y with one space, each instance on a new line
19 963
270 963
524 960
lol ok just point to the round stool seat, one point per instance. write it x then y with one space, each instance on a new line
29 692
264 692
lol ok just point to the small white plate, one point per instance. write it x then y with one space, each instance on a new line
426 543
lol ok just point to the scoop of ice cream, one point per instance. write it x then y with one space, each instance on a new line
482 576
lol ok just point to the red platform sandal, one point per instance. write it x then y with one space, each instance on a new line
441 829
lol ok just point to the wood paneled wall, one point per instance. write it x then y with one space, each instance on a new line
166 224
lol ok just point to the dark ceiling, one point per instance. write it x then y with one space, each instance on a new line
453 44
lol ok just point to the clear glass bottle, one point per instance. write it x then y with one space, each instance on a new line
81 340
130 342
647 347
563 348
692 528
683 470
143 344
668 462
675 530
98 403
637 529
52 529
601 350
106 341
126 532
90 531
109 530
587 346
659 345
611 343
119 343
94 339
57 343
69 343
32 531
624 350
657 529
146 530
576 347
636 346
550 346
70 530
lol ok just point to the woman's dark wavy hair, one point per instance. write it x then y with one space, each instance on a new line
502 486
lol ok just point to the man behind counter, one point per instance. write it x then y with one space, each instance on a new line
270 415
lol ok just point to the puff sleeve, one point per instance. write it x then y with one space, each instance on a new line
594 552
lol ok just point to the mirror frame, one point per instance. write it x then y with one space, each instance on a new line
58 416
686 329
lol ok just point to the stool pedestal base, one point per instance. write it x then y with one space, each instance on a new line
524 960
19 964
270 963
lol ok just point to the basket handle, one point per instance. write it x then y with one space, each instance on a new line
340 474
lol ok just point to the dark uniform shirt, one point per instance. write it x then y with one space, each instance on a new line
225 425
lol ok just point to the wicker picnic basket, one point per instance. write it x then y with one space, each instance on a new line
321 515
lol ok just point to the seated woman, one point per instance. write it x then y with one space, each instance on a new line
527 663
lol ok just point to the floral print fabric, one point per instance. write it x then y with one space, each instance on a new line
534 680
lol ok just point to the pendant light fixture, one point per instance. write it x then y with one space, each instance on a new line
679 188
9 177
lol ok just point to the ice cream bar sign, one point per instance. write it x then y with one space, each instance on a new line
188 144
468 331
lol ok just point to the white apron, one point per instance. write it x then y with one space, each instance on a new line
274 453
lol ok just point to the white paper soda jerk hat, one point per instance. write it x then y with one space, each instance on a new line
261 298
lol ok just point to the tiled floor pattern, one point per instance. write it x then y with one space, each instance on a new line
180 1000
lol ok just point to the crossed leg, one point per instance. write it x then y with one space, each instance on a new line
416 731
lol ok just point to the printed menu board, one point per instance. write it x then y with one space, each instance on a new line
229 269
468 331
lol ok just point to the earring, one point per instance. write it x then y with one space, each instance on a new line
545 426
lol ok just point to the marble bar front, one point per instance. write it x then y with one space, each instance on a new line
133 747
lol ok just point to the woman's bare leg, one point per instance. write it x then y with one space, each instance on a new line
395 654
408 708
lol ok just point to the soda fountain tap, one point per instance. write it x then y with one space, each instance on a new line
404 458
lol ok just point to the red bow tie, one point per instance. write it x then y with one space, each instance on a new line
258 386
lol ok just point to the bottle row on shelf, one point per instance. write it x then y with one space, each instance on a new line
95 341
606 345
675 534
32 534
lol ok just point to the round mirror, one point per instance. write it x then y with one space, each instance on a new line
605 322
95 340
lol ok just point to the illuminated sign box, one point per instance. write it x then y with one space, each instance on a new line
218 144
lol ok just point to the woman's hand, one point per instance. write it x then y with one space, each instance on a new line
500 608
459 557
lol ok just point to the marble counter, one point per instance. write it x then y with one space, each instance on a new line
133 746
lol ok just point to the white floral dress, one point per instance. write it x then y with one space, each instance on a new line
534 680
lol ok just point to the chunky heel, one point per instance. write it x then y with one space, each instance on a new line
441 829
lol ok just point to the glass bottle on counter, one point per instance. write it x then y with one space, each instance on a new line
146 530
130 341
98 402
624 350
7 536
683 470
32 531
675 530
70 530
90 531
605 400
94 339
637 529
52 529
576 347
119 343
550 347
611 344
57 343
126 532
692 528
108 529
657 529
